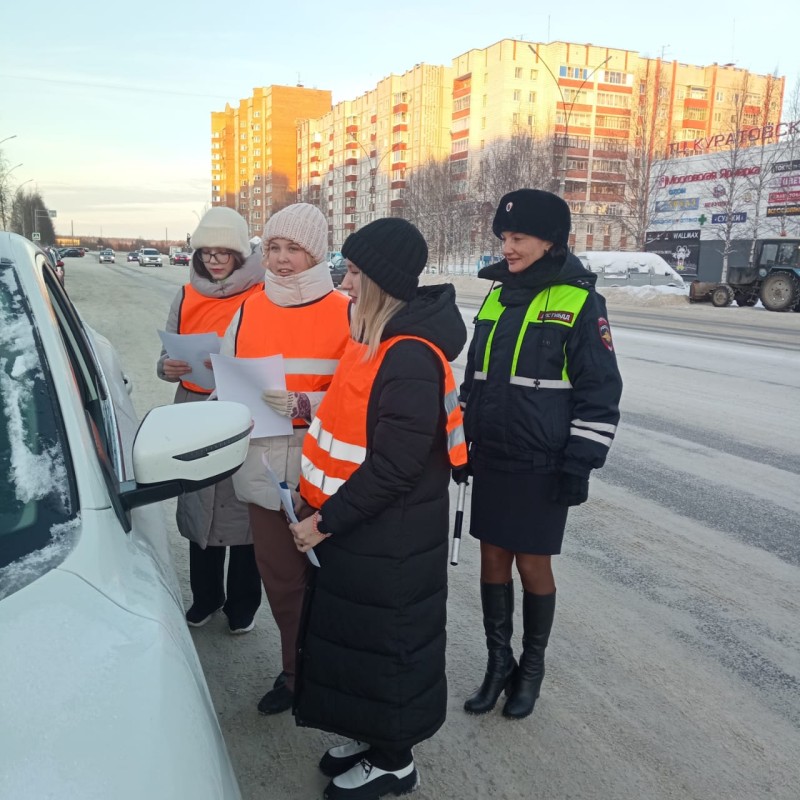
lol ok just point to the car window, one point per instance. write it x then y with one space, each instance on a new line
39 519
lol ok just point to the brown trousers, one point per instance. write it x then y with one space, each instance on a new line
284 573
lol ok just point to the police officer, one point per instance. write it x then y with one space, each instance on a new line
541 394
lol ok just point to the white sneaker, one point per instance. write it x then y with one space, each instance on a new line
365 781
340 758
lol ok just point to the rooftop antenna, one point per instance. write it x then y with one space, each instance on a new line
299 82
548 28
664 48
733 42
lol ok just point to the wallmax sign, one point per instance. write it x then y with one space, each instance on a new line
763 134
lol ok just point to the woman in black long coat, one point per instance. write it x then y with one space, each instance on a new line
376 465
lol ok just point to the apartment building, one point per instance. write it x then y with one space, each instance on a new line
605 111
254 150
352 161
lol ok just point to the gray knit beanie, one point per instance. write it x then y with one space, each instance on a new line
303 224
222 227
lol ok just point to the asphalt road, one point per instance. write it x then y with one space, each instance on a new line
674 664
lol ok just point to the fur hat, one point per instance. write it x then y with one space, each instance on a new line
222 227
537 213
391 252
303 224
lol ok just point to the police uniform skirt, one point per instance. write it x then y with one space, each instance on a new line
513 510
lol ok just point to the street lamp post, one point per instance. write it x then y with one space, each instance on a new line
568 107
13 136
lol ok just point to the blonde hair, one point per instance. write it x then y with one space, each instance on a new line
371 313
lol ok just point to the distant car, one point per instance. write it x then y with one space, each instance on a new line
107 256
72 252
133 256
180 258
338 269
150 257
108 690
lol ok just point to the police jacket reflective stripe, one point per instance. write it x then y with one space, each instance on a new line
201 314
336 444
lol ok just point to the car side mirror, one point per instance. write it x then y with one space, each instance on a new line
185 447
59 263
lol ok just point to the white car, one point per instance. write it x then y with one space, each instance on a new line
150 257
103 693
107 256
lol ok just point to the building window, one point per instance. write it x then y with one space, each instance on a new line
614 123
717 116
534 74
460 146
517 95
257 190
719 96
613 76
531 97
575 96
515 119
613 99
578 73
681 93
256 114
483 123
257 152
459 104
698 93
518 72
589 228
696 114
530 120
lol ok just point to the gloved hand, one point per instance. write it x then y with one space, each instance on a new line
290 404
461 474
571 490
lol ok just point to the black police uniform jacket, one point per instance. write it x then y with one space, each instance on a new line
530 429
371 649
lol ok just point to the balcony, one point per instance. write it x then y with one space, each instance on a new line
351 129
397 185
396 203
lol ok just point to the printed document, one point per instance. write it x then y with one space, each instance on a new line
194 349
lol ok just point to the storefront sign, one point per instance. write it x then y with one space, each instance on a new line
680 249
736 216
678 204
786 166
742 172
765 133
784 197
783 211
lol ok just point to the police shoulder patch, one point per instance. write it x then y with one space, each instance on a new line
605 333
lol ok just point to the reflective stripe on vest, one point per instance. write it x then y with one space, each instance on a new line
568 300
336 444
311 339
201 314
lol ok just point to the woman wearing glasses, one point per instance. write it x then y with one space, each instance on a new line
300 316
223 275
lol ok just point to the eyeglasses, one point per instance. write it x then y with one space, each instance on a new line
215 257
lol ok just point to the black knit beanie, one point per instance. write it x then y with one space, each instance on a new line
537 213
391 252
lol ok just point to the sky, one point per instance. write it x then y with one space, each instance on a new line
109 106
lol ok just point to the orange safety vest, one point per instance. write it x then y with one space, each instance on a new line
336 444
201 314
311 338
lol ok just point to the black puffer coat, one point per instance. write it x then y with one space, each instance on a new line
371 653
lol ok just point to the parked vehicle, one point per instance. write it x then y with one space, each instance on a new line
102 681
55 261
107 256
72 252
338 269
149 257
180 258
773 276
133 256
624 268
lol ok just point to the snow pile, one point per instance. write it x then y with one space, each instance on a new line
472 290
618 261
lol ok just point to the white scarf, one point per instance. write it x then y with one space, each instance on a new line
300 288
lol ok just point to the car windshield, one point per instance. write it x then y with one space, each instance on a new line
38 508
148 252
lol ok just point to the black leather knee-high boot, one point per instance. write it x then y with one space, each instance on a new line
497 600
537 619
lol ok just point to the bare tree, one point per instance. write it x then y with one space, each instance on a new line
645 163
5 191
521 161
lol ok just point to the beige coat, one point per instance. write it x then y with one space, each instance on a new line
212 517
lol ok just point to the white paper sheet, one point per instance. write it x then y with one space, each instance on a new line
286 501
243 380
194 349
